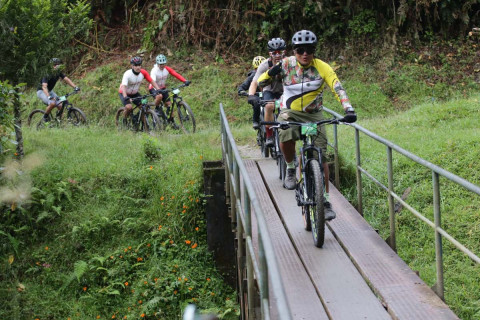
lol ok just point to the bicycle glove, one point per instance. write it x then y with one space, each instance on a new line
187 83
76 89
50 97
253 100
276 69
350 115
242 93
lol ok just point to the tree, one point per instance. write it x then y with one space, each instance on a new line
33 31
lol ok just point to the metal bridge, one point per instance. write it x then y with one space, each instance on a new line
356 275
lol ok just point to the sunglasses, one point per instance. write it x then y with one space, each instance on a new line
302 50
277 52
136 64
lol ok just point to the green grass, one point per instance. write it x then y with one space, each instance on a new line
115 227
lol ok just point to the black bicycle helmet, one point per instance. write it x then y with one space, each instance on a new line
304 37
276 44
55 61
136 61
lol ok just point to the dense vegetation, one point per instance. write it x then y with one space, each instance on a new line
99 223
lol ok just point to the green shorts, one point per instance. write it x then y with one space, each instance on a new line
293 133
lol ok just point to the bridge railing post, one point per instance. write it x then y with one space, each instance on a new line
391 202
359 173
439 286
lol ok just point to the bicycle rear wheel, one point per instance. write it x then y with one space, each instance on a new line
35 119
315 188
76 117
121 122
186 117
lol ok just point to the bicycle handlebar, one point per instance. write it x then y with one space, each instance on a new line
349 118
143 97
66 95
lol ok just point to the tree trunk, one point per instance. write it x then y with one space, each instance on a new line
17 113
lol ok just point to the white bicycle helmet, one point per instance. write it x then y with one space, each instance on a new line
304 37
161 59
276 44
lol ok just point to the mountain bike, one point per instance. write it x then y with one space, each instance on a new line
185 114
145 119
75 116
310 189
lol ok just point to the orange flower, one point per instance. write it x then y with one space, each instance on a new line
188 241
114 316
173 197
139 259
156 279
98 317
194 245
197 200
201 157
175 292
111 257
84 288
161 198
185 279
212 293
185 207
151 167
190 288
145 282
159 227
126 283
184 211
46 248
140 301
196 229
129 247
171 241
125 250
168 214
208 279
142 315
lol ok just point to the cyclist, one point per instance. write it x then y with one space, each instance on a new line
159 75
131 81
243 88
45 89
271 91
304 78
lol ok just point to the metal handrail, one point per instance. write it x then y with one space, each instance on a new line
436 172
263 269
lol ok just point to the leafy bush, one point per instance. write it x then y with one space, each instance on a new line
32 32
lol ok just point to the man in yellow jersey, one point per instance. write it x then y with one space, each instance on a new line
304 78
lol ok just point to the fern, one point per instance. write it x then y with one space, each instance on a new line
80 268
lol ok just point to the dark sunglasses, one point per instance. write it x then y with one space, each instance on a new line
302 50
136 64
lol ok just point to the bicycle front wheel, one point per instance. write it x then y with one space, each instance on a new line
186 117
315 188
76 117
151 122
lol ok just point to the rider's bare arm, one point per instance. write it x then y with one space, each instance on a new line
69 82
